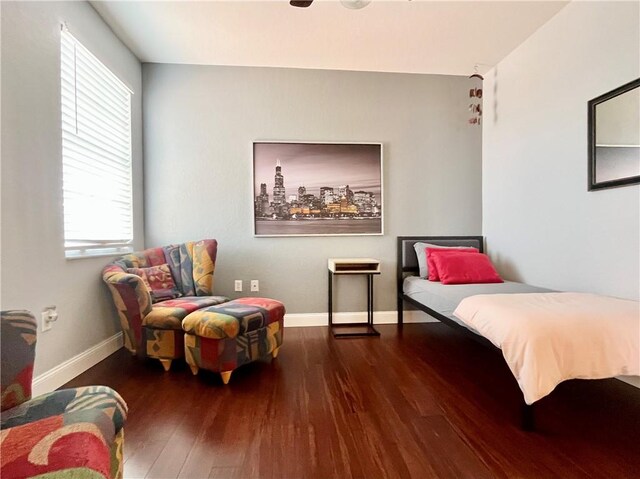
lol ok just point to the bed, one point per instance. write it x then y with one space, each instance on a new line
533 328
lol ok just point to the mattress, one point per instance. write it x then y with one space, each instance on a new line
537 336
445 298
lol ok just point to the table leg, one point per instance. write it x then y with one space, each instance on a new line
330 296
370 330
370 306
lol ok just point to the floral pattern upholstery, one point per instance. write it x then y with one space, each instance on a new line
223 338
233 318
18 333
159 282
145 324
169 314
56 447
93 399
71 433
132 301
164 343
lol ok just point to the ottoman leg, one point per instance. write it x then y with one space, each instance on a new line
194 369
226 375
166 364
275 352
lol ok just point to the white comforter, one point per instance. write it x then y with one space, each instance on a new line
547 338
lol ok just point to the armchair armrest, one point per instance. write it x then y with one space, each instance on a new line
71 445
18 333
132 300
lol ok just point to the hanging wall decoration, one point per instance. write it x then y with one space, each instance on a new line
475 107
317 189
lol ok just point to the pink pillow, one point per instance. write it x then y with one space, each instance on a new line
431 265
459 268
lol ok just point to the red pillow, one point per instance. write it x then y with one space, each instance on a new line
431 266
458 268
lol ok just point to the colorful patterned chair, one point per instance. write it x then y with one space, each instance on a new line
223 338
71 433
155 289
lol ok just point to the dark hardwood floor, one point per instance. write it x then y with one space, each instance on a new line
425 403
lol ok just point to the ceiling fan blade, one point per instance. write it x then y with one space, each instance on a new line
300 3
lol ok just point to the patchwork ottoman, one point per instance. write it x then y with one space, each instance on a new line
223 337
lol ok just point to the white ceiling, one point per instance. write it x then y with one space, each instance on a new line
445 37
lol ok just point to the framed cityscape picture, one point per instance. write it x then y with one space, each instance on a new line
317 189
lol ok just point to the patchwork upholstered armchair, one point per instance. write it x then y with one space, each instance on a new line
70 433
153 290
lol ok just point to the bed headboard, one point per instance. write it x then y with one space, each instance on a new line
407 260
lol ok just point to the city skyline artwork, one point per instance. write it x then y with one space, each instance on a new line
310 189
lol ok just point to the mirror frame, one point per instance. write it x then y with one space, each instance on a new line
592 183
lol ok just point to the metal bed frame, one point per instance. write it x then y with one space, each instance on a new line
407 264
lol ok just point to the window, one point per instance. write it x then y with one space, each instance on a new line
96 155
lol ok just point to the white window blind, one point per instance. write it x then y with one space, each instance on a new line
96 155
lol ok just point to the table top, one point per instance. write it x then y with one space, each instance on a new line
354 265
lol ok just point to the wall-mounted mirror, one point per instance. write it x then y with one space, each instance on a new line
614 137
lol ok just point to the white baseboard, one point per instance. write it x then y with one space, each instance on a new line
65 372
379 317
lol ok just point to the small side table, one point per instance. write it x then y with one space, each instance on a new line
366 266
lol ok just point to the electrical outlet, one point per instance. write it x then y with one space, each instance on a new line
49 316
238 285
255 285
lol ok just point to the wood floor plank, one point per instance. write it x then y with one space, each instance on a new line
424 402
171 459
222 473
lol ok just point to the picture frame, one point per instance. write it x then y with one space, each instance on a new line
304 188
614 138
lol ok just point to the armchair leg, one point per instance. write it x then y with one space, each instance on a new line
166 364
226 375
275 352
194 369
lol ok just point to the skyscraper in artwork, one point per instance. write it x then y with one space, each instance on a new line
262 201
278 189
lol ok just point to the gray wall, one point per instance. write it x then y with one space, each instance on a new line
541 224
35 272
199 124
